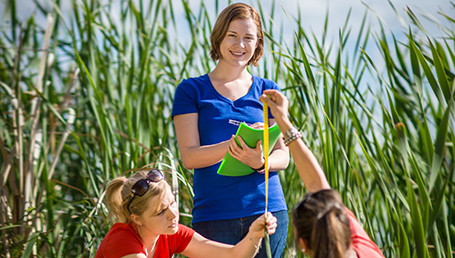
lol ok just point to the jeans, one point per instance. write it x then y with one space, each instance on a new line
233 230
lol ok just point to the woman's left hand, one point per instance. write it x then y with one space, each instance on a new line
251 157
257 227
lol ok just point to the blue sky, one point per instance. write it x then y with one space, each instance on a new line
313 14
313 11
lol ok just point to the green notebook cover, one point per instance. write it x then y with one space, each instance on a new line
233 167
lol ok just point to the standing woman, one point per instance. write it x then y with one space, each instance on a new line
148 224
207 112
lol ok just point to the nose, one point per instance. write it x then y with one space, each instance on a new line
174 212
241 43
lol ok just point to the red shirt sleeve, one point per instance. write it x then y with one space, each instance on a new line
361 242
121 240
168 245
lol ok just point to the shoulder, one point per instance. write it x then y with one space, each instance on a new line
122 229
265 83
113 245
185 231
193 81
182 237
177 242
361 242
191 87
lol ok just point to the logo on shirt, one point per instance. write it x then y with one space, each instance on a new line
234 122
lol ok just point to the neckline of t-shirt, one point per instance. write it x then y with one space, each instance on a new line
212 88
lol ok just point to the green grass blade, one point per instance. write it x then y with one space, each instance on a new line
440 72
30 244
267 243
440 146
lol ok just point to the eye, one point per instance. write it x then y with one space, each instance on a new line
173 204
162 212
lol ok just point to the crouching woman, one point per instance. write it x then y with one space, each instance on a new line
148 224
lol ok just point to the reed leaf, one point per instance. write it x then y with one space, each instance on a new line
96 104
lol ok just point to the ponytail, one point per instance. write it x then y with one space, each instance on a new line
321 221
116 202
331 235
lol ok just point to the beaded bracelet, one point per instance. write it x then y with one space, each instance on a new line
291 135
258 245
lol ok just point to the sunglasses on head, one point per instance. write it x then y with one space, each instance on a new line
143 185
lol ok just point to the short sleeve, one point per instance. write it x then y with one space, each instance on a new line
114 246
182 238
185 99
269 85
361 242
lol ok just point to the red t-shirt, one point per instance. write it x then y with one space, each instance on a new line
361 242
122 239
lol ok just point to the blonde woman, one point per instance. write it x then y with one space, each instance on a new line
148 224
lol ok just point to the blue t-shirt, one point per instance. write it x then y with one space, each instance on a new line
219 197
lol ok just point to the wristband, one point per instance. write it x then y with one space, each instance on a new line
260 170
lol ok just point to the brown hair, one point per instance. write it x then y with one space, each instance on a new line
118 194
320 220
237 11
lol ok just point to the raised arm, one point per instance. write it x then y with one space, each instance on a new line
201 247
307 165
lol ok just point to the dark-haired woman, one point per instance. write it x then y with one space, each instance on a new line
148 224
324 227
207 112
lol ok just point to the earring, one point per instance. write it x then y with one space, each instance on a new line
303 250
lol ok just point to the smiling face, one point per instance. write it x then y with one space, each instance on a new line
162 216
231 14
239 43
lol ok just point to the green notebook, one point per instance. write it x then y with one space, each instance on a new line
233 167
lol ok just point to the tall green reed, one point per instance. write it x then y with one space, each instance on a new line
88 96
387 148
